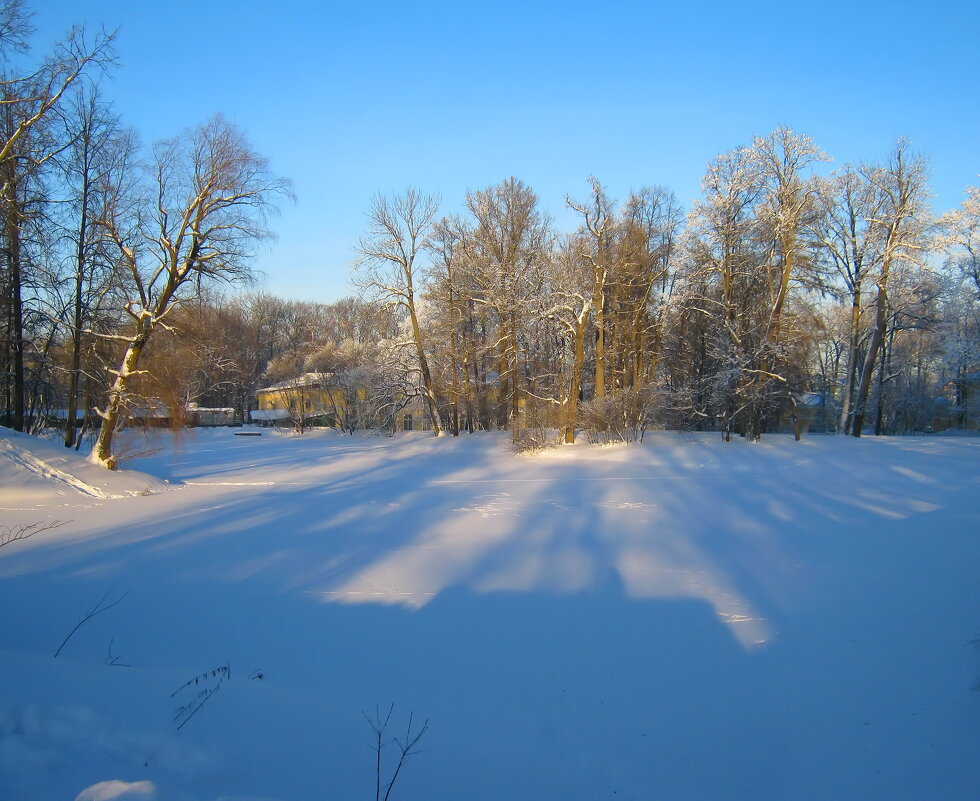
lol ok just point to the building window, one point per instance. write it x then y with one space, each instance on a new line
407 423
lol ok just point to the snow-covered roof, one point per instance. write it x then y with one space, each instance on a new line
305 380
193 407
269 414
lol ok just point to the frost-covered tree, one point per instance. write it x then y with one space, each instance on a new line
719 283
195 219
900 220
573 296
640 294
851 242
960 237
510 244
748 250
596 249
390 270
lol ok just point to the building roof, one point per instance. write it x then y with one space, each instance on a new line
269 414
305 380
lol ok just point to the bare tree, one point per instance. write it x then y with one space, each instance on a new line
720 285
448 245
34 95
645 276
204 212
749 245
960 236
572 303
900 222
787 206
598 225
397 231
27 100
510 241
849 202
97 146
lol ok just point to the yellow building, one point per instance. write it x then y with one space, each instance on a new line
310 397
319 400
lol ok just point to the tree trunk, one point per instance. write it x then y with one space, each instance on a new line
102 452
575 382
515 388
882 370
76 352
844 421
867 370
13 258
427 388
600 343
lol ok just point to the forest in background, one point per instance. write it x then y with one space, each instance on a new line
790 284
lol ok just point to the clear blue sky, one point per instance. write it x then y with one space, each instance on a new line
351 99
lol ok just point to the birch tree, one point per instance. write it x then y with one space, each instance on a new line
196 219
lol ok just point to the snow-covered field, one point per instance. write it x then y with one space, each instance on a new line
682 619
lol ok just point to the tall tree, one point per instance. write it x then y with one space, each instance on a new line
852 243
27 100
448 244
720 284
572 303
901 223
960 237
97 147
598 231
784 214
389 251
650 224
510 240
200 215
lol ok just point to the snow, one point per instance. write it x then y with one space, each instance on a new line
681 619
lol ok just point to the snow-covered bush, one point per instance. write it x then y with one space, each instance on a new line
619 416
535 439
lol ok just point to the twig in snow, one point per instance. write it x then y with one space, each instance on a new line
25 530
113 661
187 711
98 609
224 672
407 746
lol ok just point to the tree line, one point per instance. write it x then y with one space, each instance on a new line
785 291
788 287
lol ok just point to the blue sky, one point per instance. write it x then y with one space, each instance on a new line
353 99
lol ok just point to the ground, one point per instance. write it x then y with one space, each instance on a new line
679 619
